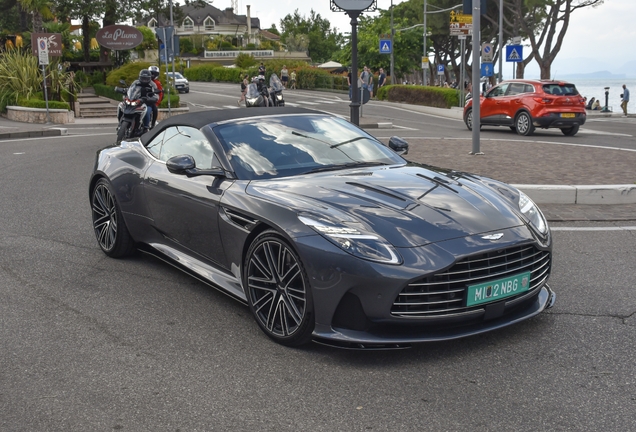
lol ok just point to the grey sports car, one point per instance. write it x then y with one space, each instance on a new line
323 231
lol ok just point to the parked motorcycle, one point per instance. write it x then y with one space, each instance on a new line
131 111
276 90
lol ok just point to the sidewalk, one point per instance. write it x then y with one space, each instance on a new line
571 183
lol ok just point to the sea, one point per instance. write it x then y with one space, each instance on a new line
596 88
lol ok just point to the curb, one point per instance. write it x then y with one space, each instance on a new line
580 194
34 133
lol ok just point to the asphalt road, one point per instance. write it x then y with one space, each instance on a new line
90 343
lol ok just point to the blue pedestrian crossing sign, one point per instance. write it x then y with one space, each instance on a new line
385 46
487 69
514 53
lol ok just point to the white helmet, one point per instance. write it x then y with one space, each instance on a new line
154 71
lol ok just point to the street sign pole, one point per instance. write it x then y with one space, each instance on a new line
460 82
43 56
476 75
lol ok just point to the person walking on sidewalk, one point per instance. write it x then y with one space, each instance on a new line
625 97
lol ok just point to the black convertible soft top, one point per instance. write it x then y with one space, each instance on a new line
202 118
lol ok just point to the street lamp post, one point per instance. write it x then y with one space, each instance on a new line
392 46
425 53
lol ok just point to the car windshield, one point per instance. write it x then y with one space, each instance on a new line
288 145
176 75
561 89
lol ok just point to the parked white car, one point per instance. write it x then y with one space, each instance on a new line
180 82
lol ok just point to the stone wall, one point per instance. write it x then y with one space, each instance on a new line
38 115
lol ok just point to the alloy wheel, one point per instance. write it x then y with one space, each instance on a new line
104 217
277 291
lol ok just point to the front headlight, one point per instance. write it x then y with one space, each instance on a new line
532 212
357 242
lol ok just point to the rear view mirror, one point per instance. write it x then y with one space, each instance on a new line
399 145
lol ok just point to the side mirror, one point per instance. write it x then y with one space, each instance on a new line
179 164
184 164
399 145
122 82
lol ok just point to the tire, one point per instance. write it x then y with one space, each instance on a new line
571 131
523 124
109 225
187 91
278 291
121 132
468 119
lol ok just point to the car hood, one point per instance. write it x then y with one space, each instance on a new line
408 206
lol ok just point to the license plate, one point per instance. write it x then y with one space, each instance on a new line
568 115
498 289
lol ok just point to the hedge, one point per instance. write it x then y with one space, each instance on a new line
110 93
439 97
37 103
213 73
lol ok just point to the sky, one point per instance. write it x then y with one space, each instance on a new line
600 38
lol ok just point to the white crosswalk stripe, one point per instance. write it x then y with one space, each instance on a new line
230 106
308 103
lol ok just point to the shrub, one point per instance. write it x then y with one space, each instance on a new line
213 73
419 95
128 72
38 103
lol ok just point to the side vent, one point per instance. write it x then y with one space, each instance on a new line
240 219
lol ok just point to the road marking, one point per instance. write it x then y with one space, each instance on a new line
308 103
291 104
230 106
595 132
624 228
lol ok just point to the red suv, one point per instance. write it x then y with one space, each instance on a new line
524 105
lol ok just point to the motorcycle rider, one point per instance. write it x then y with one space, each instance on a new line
148 94
263 89
154 72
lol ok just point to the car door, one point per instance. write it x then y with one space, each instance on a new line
185 210
494 105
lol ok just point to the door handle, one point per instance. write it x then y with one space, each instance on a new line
153 181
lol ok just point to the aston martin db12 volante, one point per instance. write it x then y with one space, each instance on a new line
322 230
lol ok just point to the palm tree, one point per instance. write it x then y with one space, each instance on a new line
40 9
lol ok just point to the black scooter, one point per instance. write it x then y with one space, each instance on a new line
276 91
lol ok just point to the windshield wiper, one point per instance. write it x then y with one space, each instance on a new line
348 141
344 166
330 145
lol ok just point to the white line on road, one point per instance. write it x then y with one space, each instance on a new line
595 132
624 228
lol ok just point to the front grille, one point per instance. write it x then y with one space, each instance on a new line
444 293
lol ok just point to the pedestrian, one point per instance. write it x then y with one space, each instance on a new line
367 80
292 77
625 97
244 85
261 69
349 82
284 76
381 78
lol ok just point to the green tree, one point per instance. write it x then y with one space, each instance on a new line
323 41
40 10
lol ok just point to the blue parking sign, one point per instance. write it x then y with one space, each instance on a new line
487 69
440 69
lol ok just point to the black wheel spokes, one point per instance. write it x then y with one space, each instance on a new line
104 217
277 288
